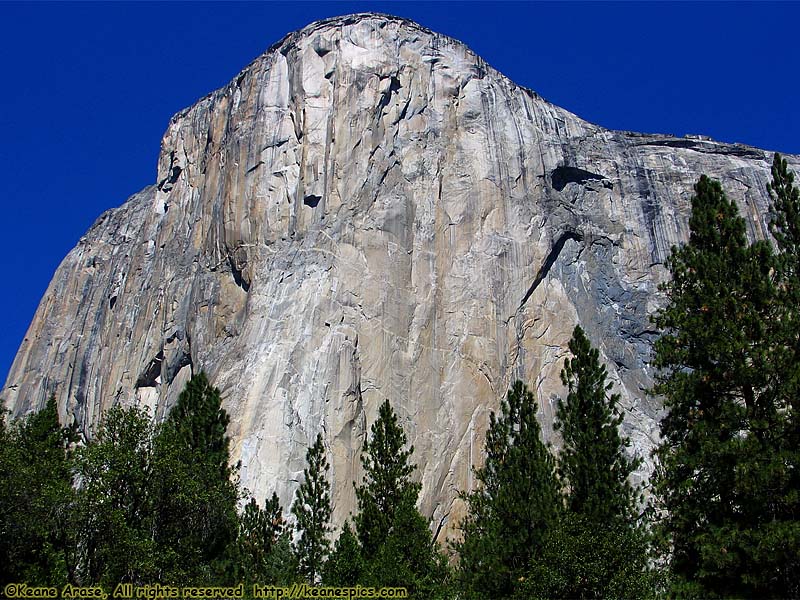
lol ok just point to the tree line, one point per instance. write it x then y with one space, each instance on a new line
143 503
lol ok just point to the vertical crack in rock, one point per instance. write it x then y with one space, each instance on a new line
548 262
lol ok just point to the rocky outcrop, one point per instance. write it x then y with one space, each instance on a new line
370 211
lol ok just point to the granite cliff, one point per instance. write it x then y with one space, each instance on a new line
370 211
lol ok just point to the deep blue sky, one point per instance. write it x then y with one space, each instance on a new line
88 89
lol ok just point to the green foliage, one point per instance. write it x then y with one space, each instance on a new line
197 423
37 537
409 557
148 504
785 223
345 566
263 551
785 227
598 549
515 505
195 492
387 473
312 508
581 559
394 538
726 481
592 464
114 507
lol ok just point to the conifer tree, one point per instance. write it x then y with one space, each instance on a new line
196 492
516 504
599 548
345 566
592 464
199 423
393 537
785 228
409 557
263 546
721 469
387 480
785 223
780 567
115 501
312 508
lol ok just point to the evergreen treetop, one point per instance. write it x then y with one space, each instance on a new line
785 223
263 551
199 423
312 508
345 565
516 503
723 469
387 479
195 490
394 539
599 548
37 500
592 464
114 502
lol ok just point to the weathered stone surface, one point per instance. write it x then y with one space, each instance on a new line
370 211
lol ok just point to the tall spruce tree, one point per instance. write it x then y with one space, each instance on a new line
599 547
387 480
516 503
196 492
592 464
719 474
312 508
393 537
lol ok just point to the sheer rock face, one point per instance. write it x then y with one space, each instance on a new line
370 211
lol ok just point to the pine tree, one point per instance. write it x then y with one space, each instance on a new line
785 223
393 536
199 423
345 566
387 480
601 504
312 508
196 492
592 463
409 557
778 550
718 470
516 504
580 560
263 552
785 228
